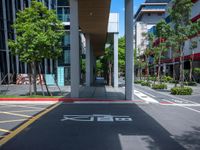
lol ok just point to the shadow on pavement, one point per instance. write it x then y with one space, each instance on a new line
50 133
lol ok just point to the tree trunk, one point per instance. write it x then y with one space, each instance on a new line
34 72
110 74
40 76
30 81
191 66
174 71
159 67
147 69
181 67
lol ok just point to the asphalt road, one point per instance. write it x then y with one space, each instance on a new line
111 127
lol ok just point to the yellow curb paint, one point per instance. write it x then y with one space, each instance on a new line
26 124
14 114
4 130
7 121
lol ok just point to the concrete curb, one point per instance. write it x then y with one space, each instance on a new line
63 100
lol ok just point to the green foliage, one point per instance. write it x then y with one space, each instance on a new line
190 83
197 71
152 78
180 15
121 55
181 91
144 83
138 82
174 81
166 79
39 34
83 66
99 67
159 86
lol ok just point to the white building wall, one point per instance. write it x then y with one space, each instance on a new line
113 24
195 9
152 19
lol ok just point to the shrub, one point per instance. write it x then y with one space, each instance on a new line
174 81
196 71
138 82
190 83
181 91
143 83
152 78
159 86
166 79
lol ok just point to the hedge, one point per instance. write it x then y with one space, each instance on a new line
138 82
190 83
181 91
159 86
145 83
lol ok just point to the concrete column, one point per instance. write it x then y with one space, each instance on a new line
115 60
6 39
74 42
91 66
45 66
94 68
88 60
51 61
49 4
14 19
164 69
129 49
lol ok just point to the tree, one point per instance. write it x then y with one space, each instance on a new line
39 34
180 16
194 31
163 31
121 50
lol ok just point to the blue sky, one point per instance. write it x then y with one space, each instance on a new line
118 7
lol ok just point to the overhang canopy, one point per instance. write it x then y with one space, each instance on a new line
93 20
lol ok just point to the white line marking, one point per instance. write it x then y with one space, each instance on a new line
4 130
145 97
146 93
191 109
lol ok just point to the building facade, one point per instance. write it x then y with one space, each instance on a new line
90 17
171 60
147 16
10 64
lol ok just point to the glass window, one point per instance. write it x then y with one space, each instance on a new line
63 3
66 39
66 57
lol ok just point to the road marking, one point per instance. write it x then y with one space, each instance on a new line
145 97
4 130
147 93
7 121
26 124
191 109
24 111
14 114
97 117
185 105
21 106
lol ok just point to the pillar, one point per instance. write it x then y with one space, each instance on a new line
6 39
91 66
74 42
88 60
129 49
115 60
14 19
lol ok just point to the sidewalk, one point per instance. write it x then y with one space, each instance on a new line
97 91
